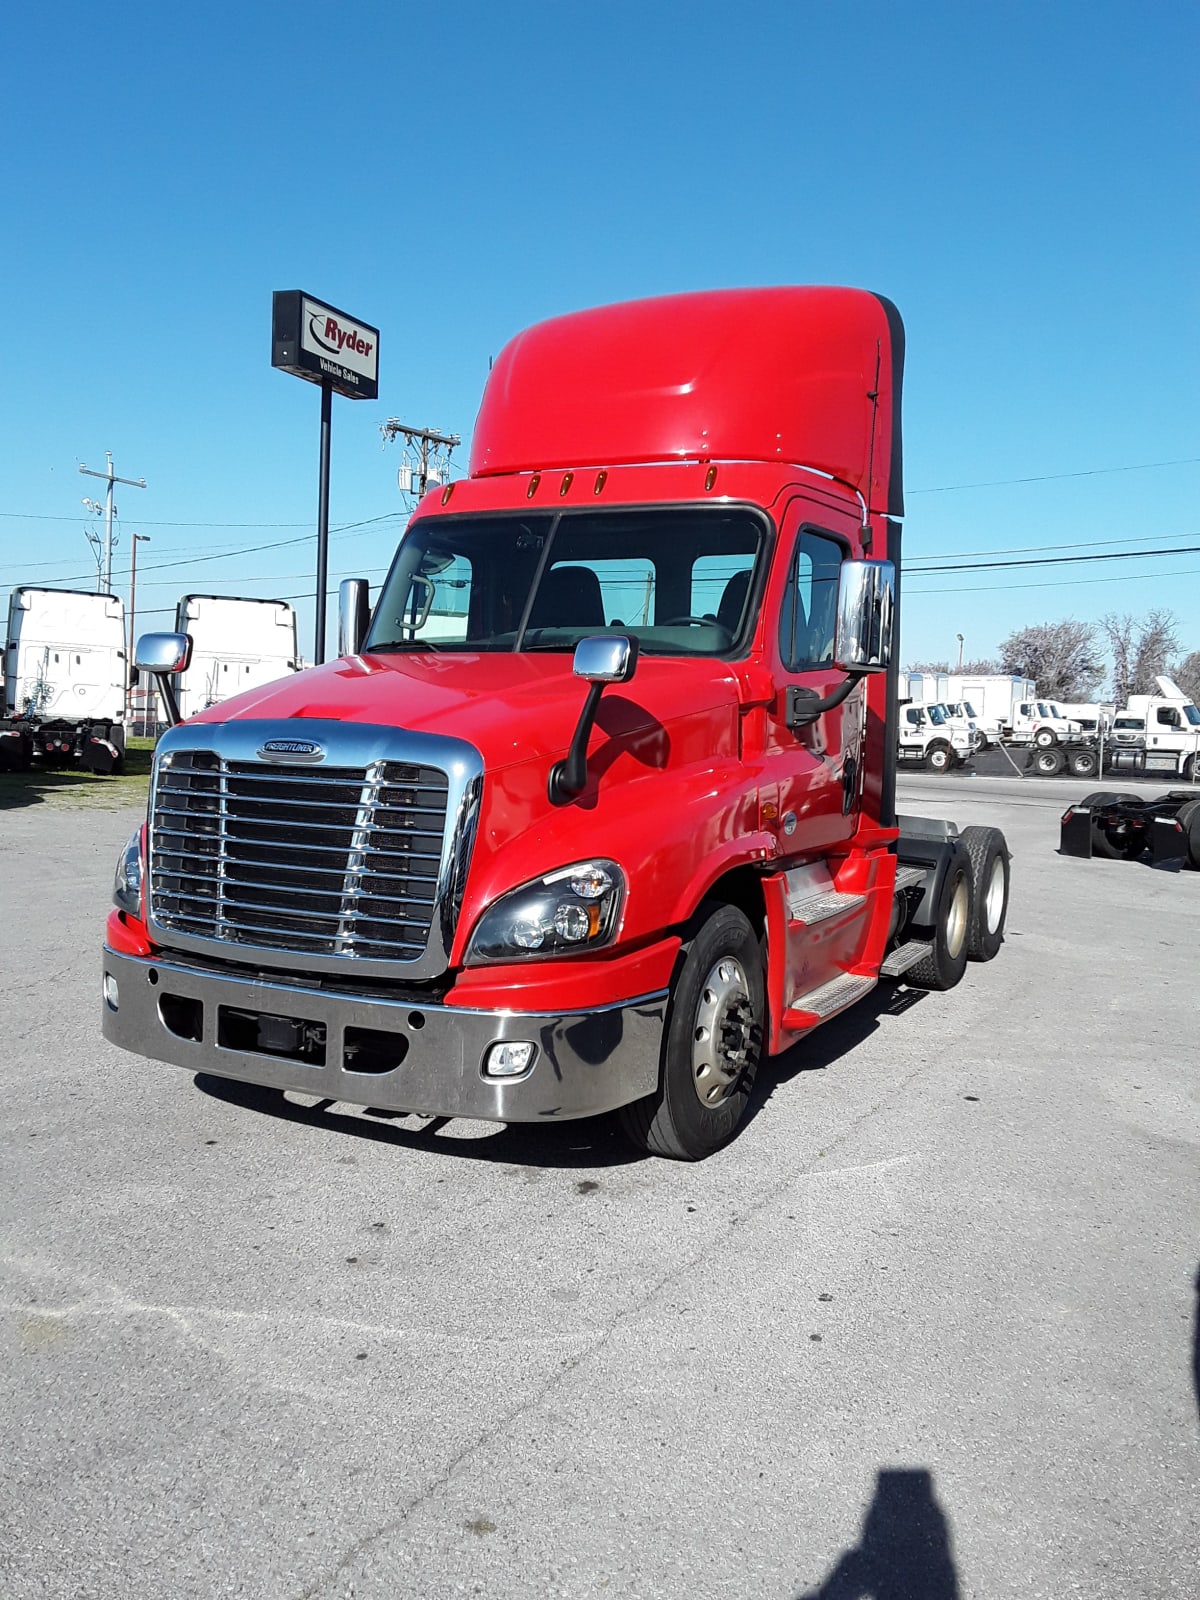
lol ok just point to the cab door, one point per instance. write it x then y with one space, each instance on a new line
817 767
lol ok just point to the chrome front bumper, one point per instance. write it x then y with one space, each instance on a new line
419 1058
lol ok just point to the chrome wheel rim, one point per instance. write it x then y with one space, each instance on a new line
722 1033
994 902
956 919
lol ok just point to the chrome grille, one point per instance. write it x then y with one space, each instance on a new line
335 861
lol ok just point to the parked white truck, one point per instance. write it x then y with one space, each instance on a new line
930 737
237 644
1158 732
65 675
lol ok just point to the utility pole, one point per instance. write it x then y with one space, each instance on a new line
138 538
110 511
421 439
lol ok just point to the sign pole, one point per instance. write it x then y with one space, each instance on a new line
323 523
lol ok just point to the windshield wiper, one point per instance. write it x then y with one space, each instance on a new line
394 646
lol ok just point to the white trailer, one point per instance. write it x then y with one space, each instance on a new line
237 644
64 678
993 699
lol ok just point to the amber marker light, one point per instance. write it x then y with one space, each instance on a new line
446 493
601 480
710 477
533 486
568 480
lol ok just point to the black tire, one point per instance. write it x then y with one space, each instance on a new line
1189 770
1083 763
1188 817
1111 844
939 757
947 958
705 1082
988 859
1049 761
1043 738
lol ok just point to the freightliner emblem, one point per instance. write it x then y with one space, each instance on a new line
291 750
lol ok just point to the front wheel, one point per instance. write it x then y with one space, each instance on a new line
939 757
1043 738
712 1046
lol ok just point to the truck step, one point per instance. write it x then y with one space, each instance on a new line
820 907
903 957
909 877
835 995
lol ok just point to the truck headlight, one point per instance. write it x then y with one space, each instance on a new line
127 885
574 909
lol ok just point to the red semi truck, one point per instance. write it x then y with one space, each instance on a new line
598 809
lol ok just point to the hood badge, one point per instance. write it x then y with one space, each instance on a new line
302 750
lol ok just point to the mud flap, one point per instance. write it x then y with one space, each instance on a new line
1075 833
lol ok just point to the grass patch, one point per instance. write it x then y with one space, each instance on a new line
73 788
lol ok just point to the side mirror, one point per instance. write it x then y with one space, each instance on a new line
866 604
354 612
611 658
163 652
600 660
164 655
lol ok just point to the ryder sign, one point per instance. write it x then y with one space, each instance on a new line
312 340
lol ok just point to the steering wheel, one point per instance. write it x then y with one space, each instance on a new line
693 622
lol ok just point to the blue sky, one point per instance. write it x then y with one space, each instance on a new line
1020 179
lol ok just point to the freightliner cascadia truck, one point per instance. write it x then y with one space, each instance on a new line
597 808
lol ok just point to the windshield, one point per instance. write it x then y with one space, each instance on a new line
1130 722
1191 714
1046 711
677 580
937 716
969 708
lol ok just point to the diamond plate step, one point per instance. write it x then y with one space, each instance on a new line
835 995
909 877
905 956
820 907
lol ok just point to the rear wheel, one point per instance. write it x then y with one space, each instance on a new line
987 858
1083 764
939 757
1191 769
947 960
712 1046
1188 818
1113 841
1049 761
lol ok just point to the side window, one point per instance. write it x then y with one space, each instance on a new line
809 621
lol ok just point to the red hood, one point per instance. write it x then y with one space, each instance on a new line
510 707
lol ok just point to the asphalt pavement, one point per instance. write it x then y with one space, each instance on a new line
925 1331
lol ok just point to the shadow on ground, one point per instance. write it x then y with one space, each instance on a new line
903 1551
590 1142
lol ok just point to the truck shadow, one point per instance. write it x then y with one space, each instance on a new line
590 1142
837 1038
904 1549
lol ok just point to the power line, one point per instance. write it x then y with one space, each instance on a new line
1004 588
1029 549
1058 561
1052 477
